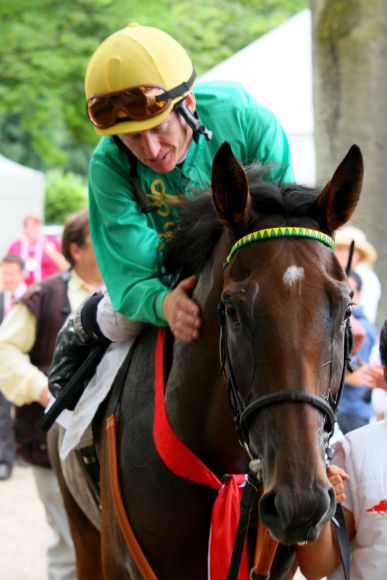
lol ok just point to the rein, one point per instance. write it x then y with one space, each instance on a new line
242 412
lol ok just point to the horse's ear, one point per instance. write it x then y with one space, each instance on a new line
339 197
230 190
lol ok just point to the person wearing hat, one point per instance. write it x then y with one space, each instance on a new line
159 136
364 256
355 409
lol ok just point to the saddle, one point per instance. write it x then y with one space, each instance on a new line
87 454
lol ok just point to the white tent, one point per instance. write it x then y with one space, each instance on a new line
277 70
21 192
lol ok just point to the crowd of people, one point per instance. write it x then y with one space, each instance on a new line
27 339
159 135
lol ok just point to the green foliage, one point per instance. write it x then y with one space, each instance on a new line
212 30
45 47
65 193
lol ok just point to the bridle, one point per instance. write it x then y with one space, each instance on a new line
242 412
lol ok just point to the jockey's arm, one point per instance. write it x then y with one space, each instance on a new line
96 322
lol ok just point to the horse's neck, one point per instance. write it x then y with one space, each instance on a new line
198 408
196 398
194 379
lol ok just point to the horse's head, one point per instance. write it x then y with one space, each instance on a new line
285 304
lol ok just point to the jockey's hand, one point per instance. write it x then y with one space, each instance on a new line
181 311
337 476
73 345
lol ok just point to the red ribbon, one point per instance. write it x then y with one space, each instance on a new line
184 463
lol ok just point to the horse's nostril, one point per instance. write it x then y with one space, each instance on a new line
267 506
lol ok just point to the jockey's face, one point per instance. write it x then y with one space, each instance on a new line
164 146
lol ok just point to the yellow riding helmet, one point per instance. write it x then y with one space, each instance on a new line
137 55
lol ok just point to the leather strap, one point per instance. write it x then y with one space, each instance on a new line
249 494
88 460
126 529
340 527
265 550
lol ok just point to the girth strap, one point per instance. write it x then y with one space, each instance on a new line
126 529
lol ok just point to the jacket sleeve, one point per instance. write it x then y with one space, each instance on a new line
125 244
21 382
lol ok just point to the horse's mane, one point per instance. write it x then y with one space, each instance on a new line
199 227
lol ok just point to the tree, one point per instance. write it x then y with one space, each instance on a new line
45 47
65 193
350 87
43 51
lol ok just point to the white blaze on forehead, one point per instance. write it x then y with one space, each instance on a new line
293 274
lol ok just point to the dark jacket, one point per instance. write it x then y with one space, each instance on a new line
49 303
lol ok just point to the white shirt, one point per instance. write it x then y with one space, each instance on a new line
363 454
10 296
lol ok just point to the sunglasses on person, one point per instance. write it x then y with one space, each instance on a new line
138 103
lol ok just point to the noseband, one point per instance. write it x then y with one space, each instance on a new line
241 412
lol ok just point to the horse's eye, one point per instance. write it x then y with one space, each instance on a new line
348 312
231 313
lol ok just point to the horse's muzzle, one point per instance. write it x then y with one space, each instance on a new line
294 516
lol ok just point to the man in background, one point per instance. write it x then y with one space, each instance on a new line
13 287
27 340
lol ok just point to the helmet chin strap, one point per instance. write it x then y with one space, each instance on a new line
193 120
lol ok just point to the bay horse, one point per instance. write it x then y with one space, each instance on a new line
259 387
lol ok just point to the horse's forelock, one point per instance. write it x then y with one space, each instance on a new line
199 228
286 201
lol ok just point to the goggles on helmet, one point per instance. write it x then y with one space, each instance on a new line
137 103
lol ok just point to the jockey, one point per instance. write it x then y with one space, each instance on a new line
159 138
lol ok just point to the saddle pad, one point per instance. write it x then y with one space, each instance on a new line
95 392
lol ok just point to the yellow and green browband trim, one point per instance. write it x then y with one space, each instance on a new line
282 232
